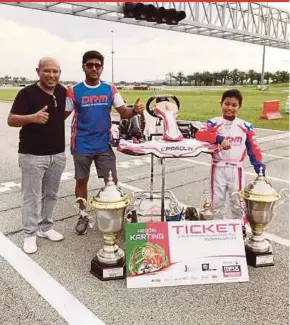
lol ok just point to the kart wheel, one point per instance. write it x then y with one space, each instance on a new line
191 214
134 216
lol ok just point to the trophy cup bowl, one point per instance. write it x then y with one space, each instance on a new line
110 203
259 215
260 199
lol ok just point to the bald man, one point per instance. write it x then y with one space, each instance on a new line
39 109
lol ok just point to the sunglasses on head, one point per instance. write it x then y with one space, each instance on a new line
91 65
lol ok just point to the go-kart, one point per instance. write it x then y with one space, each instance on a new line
158 132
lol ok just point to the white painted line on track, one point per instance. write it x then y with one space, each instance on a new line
248 173
279 240
273 137
279 157
68 307
271 178
7 187
284 141
4 189
271 130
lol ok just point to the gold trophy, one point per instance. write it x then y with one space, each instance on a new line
260 199
111 203
206 213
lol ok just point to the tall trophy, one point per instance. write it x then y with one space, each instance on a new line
260 199
111 203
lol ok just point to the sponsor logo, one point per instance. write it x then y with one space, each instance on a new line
190 268
234 140
207 267
232 271
94 99
178 148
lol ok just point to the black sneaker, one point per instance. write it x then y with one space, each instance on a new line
81 227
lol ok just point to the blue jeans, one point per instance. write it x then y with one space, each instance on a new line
40 182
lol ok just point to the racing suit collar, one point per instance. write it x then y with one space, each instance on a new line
229 118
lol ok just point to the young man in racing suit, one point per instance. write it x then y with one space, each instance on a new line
236 137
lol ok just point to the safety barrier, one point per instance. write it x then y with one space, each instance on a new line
271 110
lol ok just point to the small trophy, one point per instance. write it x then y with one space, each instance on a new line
207 212
261 199
111 202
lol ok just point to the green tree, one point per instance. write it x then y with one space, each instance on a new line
224 74
252 75
170 76
180 77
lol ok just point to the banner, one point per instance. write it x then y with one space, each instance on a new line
185 253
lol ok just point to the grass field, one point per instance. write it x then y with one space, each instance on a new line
201 105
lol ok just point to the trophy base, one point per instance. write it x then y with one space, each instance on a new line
259 259
106 272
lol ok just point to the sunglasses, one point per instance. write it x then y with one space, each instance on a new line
54 102
91 65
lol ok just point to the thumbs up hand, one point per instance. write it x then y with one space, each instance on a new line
138 106
41 117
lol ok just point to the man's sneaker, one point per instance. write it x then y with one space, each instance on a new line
29 245
50 234
81 227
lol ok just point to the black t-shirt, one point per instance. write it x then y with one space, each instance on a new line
41 139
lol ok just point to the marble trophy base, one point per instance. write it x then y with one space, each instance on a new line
106 272
256 259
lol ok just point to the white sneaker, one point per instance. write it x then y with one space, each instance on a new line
29 245
50 234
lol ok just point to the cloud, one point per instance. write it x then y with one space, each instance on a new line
140 53
22 47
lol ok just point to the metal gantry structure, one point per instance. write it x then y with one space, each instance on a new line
248 22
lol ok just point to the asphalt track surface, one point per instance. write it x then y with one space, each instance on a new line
54 286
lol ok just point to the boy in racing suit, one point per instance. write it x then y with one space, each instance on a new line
236 137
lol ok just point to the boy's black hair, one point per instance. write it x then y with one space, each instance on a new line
93 55
233 93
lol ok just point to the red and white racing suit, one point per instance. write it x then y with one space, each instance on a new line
227 172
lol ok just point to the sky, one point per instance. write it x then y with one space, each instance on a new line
141 53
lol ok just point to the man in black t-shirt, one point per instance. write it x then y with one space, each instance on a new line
39 109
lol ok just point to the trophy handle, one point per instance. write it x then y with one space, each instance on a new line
284 193
284 198
235 197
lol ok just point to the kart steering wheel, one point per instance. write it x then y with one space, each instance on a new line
158 99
